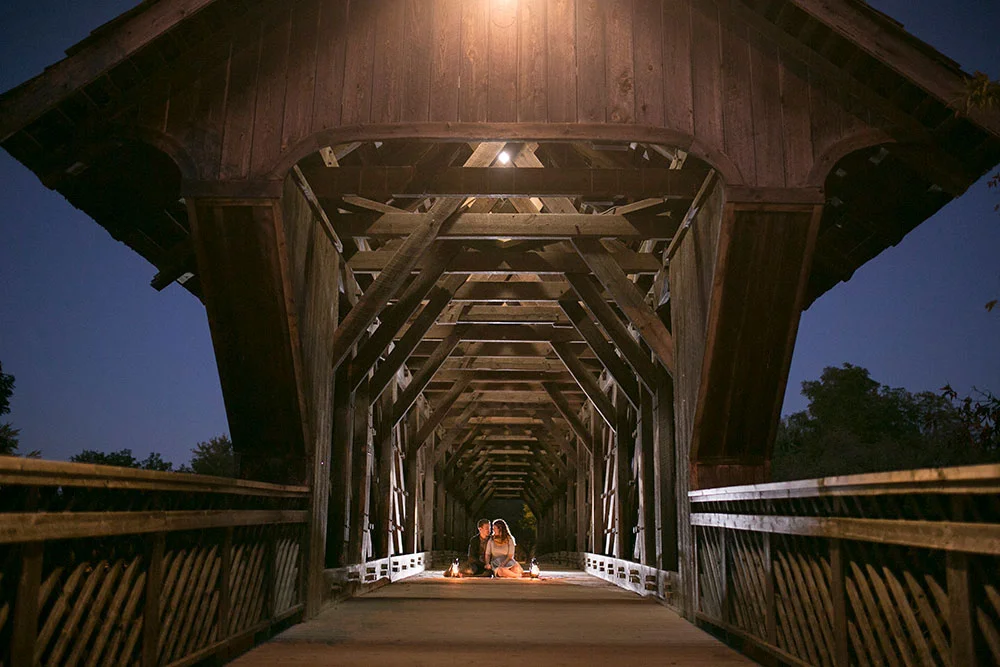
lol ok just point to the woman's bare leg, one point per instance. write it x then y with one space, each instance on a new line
506 572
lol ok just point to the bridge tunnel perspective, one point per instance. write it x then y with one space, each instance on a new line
540 260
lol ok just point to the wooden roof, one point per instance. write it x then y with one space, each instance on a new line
505 349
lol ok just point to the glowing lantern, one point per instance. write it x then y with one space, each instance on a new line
534 571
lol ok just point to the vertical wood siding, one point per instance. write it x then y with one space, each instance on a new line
683 65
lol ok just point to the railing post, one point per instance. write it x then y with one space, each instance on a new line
960 622
225 584
724 578
771 611
26 605
155 548
838 595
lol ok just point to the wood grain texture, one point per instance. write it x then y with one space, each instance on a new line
474 93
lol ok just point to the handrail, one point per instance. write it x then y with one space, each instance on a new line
35 472
166 568
965 480
859 569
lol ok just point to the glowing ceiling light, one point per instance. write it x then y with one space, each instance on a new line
503 157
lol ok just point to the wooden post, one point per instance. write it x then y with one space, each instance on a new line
155 547
25 631
724 583
664 462
361 476
623 473
440 512
410 483
225 583
650 498
960 619
597 488
584 463
342 468
427 451
838 596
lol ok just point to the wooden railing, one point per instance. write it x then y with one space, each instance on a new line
104 565
899 568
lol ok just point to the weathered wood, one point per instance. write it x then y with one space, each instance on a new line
443 405
26 603
649 500
943 535
960 622
562 405
419 381
396 315
591 295
507 261
383 183
612 275
623 445
155 546
36 472
622 374
390 279
440 296
513 226
587 383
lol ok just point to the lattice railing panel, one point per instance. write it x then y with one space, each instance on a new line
747 566
710 571
804 612
887 569
190 599
89 553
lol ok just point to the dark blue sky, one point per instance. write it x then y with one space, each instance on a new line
103 361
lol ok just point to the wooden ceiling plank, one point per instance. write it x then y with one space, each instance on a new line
514 226
539 263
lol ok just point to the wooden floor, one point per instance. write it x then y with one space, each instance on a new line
568 618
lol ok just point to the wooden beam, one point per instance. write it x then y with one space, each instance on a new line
390 279
588 383
444 404
562 405
396 315
590 294
439 298
622 374
514 226
604 266
503 333
420 380
381 183
894 48
500 261
503 292
32 99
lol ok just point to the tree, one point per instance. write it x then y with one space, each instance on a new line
123 458
214 457
8 434
983 93
854 424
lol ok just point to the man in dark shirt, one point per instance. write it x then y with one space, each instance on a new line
475 563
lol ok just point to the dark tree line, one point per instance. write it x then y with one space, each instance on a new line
214 457
854 424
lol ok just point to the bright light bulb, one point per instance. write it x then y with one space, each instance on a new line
503 157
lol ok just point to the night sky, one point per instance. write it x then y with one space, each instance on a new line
103 361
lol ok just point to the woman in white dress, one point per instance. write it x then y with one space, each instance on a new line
500 552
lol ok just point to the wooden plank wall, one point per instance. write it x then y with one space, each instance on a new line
692 270
409 67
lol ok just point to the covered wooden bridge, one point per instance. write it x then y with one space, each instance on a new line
460 256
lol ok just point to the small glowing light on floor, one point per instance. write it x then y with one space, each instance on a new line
503 157
534 569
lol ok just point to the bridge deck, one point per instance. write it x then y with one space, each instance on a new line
568 618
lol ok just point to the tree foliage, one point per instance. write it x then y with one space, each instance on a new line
214 457
8 434
854 424
123 458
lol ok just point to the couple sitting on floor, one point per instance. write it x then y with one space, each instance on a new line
492 554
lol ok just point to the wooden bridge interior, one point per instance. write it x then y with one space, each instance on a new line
464 257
